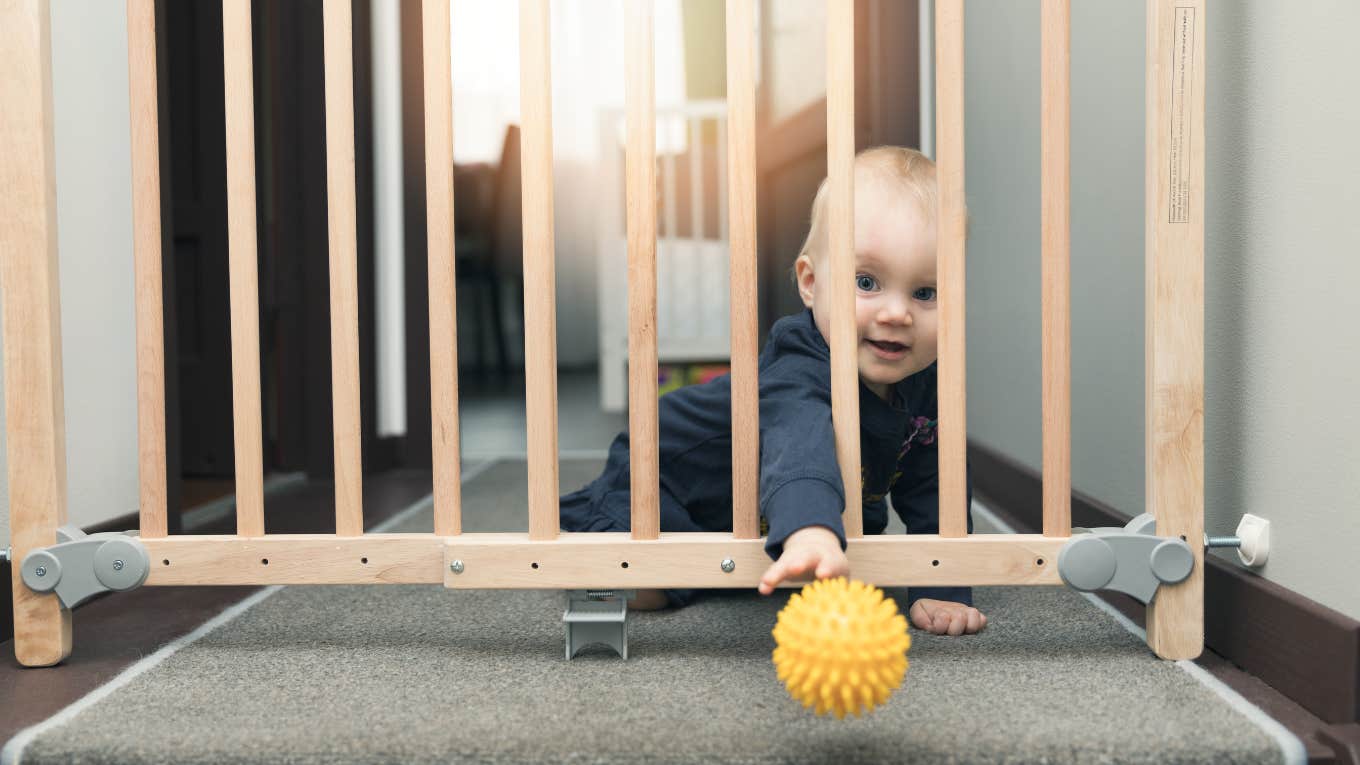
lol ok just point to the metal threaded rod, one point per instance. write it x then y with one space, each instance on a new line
1222 541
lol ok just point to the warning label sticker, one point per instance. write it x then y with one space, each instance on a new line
1182 82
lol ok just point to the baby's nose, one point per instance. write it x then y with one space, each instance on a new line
895 311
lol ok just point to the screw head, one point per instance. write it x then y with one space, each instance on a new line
118 565
40 571
729 565
456 567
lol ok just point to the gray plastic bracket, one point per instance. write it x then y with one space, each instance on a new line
80 566
597 616
1130 559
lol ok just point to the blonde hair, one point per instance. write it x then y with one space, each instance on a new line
899 169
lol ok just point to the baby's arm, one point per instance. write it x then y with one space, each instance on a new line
810 550
800 486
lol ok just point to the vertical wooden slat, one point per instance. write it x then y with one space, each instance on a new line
245 308
640 94
35 427
1175 310
344 279
146 250
952 227
1056 235
540 290
840 161
439 201
741 165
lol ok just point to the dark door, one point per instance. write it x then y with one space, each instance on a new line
198 219
291 232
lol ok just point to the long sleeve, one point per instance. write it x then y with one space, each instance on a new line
916 498
800 483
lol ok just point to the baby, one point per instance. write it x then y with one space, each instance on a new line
801 492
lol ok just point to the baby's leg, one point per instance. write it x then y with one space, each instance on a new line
612 513
648 600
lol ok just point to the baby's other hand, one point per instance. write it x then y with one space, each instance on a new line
945 617
810 550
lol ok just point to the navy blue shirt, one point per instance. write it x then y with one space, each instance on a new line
800 482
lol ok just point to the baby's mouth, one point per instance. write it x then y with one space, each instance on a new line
887 346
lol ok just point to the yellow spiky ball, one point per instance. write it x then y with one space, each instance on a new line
841 647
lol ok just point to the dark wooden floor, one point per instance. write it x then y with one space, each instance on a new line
112 633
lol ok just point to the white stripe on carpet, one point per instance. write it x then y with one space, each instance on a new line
1291 748
14 749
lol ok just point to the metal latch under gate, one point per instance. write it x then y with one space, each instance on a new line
597 616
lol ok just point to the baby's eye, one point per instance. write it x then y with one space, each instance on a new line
865 282
925 293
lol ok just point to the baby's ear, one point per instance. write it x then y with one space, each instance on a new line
804 278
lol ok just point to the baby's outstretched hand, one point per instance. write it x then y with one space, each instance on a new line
945 617
811 550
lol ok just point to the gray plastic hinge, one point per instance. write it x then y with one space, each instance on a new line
1130 559
80 566
597 616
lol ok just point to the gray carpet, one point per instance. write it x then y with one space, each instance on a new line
421 674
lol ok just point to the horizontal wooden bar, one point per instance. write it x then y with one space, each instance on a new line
690 559
296 559
583 559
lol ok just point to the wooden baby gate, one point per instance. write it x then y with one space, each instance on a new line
545 558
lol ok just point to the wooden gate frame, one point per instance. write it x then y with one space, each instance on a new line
544 558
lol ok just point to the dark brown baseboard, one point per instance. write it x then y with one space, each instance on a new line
1303 649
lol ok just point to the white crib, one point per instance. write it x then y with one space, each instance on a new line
692 256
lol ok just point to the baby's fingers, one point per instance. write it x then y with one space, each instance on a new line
976 621
956 622
922 617
789 565
776 573
770 579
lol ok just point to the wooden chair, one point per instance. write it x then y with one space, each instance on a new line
488 246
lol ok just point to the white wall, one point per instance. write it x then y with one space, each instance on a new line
94 238
1282 240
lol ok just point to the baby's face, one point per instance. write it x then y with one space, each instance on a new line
895 297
